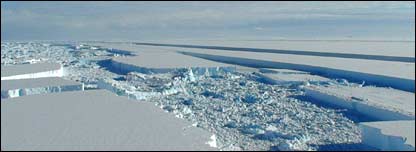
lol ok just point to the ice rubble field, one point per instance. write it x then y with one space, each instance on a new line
80 63
242 109
243 113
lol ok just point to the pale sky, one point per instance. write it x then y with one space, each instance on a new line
207 20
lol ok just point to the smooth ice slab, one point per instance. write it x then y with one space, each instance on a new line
247 70
132 48
165 62
94 120
281 71
284 76
21 87
389 135
376 102
26 71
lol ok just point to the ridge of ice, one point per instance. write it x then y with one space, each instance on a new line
297 144
39 90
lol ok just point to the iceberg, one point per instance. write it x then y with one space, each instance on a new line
389 135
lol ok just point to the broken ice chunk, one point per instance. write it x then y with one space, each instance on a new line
231 124
249 99
271 135
168 108
296 144
187 102
213 142
207 93
252 129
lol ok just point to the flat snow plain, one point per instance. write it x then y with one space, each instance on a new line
93 120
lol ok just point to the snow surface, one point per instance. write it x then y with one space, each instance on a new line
94 120
389 135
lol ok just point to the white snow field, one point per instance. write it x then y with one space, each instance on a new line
248 95
29 71
23 87
94 120
389 135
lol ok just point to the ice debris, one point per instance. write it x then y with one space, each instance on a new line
255 116
213 142
297 144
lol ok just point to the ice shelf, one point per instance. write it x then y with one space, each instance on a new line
29 71
378 103
291 77
389 135
393 74
398 75
94 120
166 62
381 48
22 87
134 49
